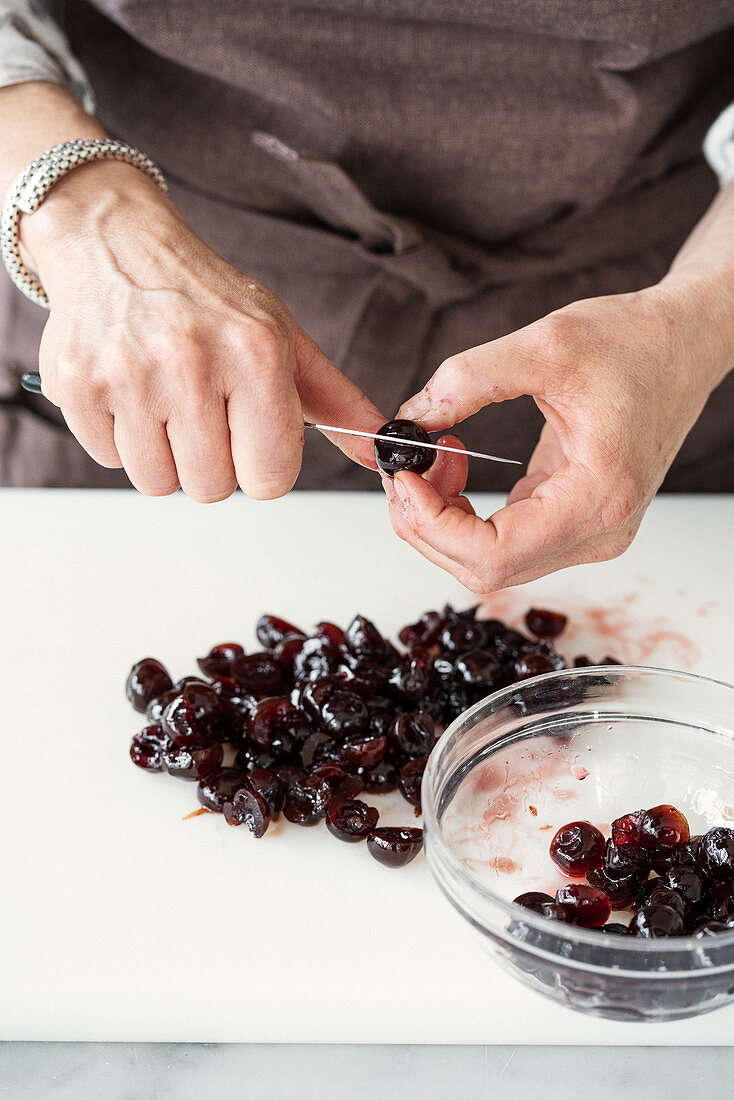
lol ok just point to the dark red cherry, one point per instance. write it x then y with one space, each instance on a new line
334 634
552 911
410 779
271 630
413 734
424 633
344 714
462 636
220 659
716 854
147 679
395 847
615 929
258 673
147 748
270 786
193 763
577 848
663 828
399 452
411 679
286 652
248 807
351 820
711 928
584 905
362 752
655 892
693 884
340 783
219 787
180 722
307 800
622 891
277 725
545 624
621 861
364 639
656 921
156 706
477 668
533 664
534 900
626 830
319 749
380 779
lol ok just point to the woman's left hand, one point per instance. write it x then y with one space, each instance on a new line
620 381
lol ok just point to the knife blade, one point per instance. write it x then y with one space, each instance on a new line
411 443
31 381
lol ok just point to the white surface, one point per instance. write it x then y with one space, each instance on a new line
121 921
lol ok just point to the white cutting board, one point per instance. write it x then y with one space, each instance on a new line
121 921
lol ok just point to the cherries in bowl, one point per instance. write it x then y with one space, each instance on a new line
581 746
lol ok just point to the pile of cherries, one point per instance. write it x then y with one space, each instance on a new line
691 890
307 723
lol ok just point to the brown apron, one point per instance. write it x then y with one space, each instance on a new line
412 179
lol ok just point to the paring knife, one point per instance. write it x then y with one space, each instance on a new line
31 381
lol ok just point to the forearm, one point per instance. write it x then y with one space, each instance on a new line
34 117
701 280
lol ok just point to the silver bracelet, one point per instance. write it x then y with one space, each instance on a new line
33 185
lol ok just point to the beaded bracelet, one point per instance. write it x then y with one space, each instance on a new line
33 185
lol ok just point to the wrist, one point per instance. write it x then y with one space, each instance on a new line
101 193
698 306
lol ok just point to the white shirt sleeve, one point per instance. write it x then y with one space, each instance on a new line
718 146
33 47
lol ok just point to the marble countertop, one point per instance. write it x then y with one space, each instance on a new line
182 1071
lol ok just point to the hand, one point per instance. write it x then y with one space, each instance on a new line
620 381
166 360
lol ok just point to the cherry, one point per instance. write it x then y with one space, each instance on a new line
258 673
277 725
147 679
181 723
344 714
577 848
219 787
711 928
220 659
626 830
351 820
477 667
584 905
315 659
319 749
269 785
248 807
622 891
413 734
409 781
380 779
286 652
655 892
545 624
692 884
307 800
362 752
411 679
653 921
271 630
193 763
716 854
156 706
534 900
333 634
424 633
463 636
364 639
339 781
615 929
395 847
532 664
623 860
662 829
399 452
147 748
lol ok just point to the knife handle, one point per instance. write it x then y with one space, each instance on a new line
31 381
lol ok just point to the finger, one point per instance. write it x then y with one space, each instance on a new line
515 539
405 531
449 472
544 461
328 397
467 382
95 430
145 452
266 428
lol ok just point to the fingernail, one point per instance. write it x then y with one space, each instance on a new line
388 486
416 407
405 502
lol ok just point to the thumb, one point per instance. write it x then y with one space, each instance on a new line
498 371
328 397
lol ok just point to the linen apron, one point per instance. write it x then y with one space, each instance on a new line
412 179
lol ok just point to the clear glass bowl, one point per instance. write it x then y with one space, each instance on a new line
583 744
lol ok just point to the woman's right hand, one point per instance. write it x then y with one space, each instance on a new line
167 361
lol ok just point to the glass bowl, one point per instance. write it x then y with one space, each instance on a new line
582 744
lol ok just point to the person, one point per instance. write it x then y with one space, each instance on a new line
508 200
